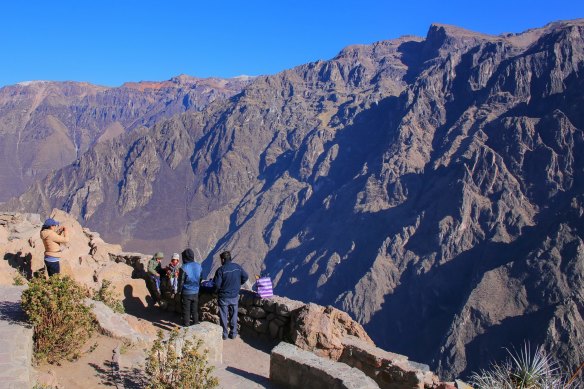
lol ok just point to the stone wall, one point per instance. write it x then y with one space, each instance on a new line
292 367
267 319
389 370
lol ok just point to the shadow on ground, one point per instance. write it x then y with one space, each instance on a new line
12 313
109 375
162 319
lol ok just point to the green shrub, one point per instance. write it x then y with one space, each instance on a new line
62 323
522 370
105 294
166 368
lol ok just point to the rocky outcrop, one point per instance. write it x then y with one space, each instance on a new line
117 325
430 187
86 258
322 330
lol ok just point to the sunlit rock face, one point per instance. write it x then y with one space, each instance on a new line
431 187
45 126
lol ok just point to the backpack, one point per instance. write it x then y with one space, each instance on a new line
264 287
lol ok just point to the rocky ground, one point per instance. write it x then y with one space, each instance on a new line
245 363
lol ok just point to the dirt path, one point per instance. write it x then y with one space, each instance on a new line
92 370
246 364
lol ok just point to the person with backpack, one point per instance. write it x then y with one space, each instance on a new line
188 286
228 280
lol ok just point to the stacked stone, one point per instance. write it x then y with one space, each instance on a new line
389 370
208 308
267 318
292 367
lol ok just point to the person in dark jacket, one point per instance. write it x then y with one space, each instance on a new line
188 286
228 280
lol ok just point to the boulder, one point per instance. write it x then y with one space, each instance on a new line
116 325
211 336
322 329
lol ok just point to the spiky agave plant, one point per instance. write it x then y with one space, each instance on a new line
522 370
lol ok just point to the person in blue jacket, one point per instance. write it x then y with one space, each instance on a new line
228 280
188 286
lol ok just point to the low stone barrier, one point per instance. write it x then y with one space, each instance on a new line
268 319
389 370
211 336
292 367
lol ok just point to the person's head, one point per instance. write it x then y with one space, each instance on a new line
188 256
225 257
159 256
174 259
50 223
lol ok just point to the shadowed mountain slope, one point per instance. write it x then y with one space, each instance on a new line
430 187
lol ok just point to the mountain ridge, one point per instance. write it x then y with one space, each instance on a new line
46 125
407 182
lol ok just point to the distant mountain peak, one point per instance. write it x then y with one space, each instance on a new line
430 187
33 82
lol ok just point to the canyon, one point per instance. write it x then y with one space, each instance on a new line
430 187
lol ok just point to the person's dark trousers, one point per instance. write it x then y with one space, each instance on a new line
53 268
228 316
151 286
190 306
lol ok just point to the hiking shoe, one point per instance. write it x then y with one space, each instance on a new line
224 337
232 336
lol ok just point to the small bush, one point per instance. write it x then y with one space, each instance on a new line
522 370
62 323
105 294
166 368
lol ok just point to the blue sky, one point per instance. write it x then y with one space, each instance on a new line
108 42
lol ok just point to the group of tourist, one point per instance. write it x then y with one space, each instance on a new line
184 279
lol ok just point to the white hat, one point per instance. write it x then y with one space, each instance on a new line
175 256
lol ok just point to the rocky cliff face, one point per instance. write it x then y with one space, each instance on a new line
430 187
47 125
